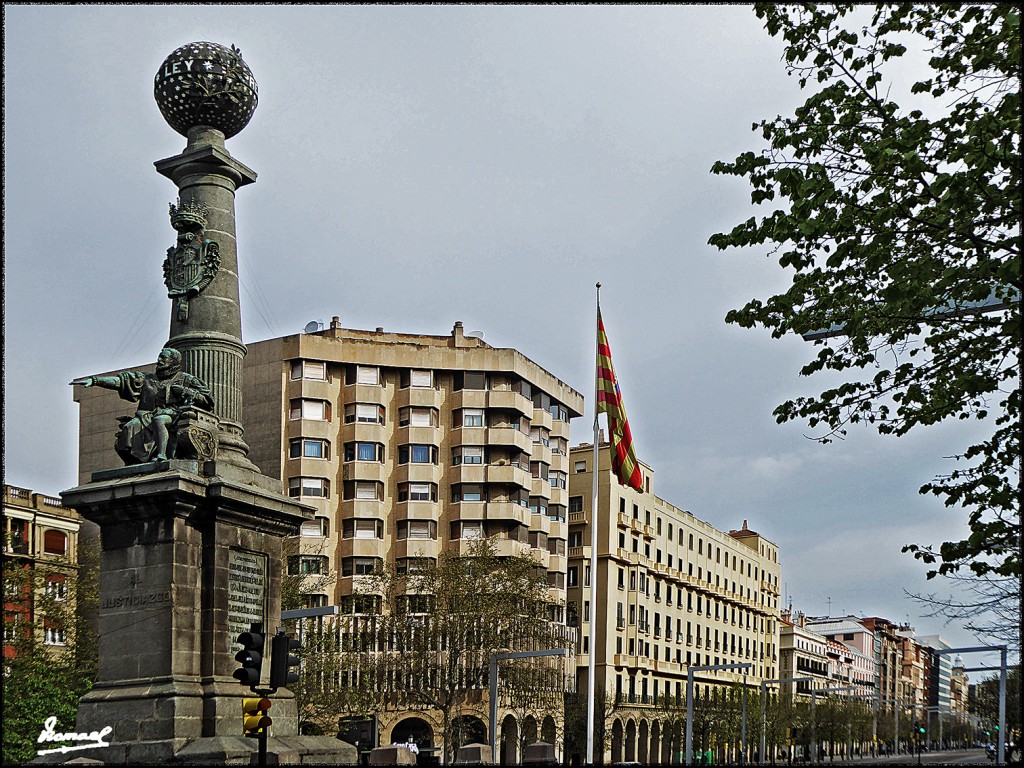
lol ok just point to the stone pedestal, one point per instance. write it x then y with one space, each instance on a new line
191 555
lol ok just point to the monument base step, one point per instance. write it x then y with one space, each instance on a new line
215 750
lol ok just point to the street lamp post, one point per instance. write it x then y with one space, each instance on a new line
814 724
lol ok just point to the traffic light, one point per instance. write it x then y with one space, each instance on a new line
254 716
921 729
282 661
250 657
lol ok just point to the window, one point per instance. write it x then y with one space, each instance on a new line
315 601
539 505
468 492
307 565
309 369
412 564
56 588
362 528
540 470
560 446
469 529
556 546
309 448
367 374
573 575
575 539
362 490
417 492
55 543
556 513
314 410
470 380
55 636
360 451
559 479
309 486
358 566
417 454
417 417
540 435
468 417
580 466
364 413
558 412
318 526
575 503
416 378
416 529
468 454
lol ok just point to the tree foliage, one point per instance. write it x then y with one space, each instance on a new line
39 680
895 221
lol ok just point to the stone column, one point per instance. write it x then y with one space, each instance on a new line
210 339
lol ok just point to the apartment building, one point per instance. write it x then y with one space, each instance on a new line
405 445
802 653
673 592
40 548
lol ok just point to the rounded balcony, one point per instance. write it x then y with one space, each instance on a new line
468 398
467 473
418 435
540 452
416 510
508 474
507 510
510 438
540 523
317 428
356 547
418 473
364 432
425 397
508 400
417 548
540 487
364 470
559 428
541 418
364 393
467 436
361 508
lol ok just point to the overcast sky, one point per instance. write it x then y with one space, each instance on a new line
427 164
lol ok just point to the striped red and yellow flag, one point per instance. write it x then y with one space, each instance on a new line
609 401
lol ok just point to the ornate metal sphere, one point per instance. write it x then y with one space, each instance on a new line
206 84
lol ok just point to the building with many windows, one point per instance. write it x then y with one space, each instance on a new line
404 444
673 592
41 562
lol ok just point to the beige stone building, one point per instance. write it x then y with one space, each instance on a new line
405 445
673 592
41 542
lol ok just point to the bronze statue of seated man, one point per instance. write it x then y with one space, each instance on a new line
162 397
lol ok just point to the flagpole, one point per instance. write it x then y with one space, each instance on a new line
591 669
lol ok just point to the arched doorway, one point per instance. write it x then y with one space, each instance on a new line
421 733
642 742
668 740
549 731
630 742
468 729
617 741
529 731
656 742
509 741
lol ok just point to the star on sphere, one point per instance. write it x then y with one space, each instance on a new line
208 65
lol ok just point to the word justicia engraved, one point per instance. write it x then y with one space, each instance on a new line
131 601
48 735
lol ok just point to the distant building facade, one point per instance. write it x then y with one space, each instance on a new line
40 548
673 592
